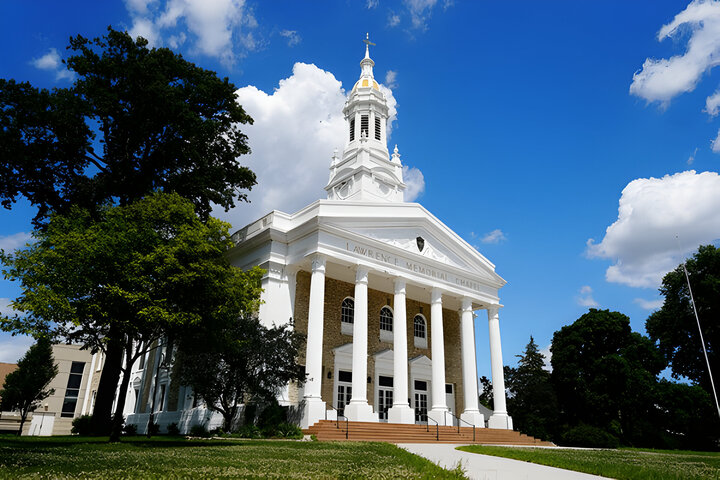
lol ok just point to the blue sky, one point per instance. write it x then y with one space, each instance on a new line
524 126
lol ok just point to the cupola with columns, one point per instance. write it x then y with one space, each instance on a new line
366 172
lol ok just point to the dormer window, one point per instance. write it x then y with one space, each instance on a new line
364 126
377 129
352 129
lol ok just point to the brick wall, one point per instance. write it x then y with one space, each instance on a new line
335 292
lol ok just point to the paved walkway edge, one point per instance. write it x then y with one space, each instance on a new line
486 467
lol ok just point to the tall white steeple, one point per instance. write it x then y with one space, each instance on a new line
365 172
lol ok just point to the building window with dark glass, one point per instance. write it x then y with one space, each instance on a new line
73 389
420 331
386 324
347 316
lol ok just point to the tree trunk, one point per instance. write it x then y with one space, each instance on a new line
107 386
117 419
23 417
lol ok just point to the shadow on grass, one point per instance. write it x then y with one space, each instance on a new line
13 441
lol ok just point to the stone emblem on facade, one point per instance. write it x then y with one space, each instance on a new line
420 243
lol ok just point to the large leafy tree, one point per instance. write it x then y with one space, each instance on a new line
26 387
125 278
135 120
532 402
674 326
238 362
604 374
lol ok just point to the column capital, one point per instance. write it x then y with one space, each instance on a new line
318 263
400 284
361 275
466 304
436 295
492 310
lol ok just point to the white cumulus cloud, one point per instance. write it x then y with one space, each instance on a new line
712 104
585 298
548 356
414 181
652 211
14 241
496 236
391 79
51 62
648 304
420 11
393 19
660 80
218 28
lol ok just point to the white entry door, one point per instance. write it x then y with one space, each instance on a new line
385 396
450 400
421 401
344 391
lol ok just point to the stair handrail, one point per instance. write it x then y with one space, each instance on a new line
337 421
437 427
461 420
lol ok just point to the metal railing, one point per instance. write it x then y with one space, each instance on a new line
337 421
461 420
437 427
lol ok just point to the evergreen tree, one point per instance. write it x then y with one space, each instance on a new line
532 402
26 387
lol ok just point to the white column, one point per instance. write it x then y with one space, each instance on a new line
358 409
499 418
314 409
469 366
400 412
437 339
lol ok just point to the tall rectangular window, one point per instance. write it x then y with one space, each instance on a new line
364 125
352 129
377 129
73 389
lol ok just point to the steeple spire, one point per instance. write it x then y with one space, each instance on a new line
365 172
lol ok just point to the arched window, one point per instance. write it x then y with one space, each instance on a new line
420 331
347 314
386 319
419 327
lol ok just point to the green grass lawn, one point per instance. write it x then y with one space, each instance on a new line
623 464
166 457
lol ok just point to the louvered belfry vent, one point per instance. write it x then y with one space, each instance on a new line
377 129
364 125
352 129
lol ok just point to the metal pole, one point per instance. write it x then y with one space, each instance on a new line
702 340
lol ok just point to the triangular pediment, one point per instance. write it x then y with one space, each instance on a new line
420 237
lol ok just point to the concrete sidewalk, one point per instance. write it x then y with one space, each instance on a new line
486 467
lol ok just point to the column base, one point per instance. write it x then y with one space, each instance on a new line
500 420
440 415
360 412
313 411
473 418
401 414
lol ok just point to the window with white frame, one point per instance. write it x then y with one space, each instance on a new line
420 331
386 324
347 316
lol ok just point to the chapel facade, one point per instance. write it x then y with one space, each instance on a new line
384 291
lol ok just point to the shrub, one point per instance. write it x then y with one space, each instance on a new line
272 415
130 430
589 436
173 429
199 431
82 425
288 430
249 431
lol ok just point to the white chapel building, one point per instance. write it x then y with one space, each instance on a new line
384 291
